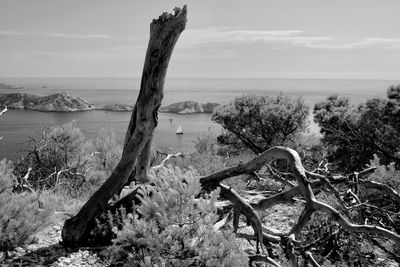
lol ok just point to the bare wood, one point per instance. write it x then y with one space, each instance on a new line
304 187
310 257
386 189
355 228
244 208
164 32
143 163
262 258
168 157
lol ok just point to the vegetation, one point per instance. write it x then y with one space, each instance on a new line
173 227
260 122
171 216
60 170
352 135
177 222
21 215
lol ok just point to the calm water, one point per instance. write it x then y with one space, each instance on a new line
16 126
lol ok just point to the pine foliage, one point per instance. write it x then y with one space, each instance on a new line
174 227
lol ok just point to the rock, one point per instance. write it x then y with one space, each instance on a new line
8 86
188 107
117 107
20 250
61 102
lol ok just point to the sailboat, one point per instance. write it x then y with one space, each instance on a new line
179 130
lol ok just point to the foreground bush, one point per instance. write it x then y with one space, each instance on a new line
173 227
20 217
6 169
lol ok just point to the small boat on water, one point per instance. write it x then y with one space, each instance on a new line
179 130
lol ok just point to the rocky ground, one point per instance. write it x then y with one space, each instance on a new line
46 250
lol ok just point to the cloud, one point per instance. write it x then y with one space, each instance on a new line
57 35
376 43
198 37
297 38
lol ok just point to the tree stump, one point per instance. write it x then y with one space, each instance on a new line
164 33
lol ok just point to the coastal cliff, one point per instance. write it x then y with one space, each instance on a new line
60 102
188 107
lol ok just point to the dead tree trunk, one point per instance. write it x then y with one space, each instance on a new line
164 33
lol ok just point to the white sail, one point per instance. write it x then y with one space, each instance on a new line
179 130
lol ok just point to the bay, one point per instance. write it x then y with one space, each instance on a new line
17 125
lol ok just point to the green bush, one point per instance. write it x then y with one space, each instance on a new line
173 227
20 217
68 138
257 123
203 164
206 142
101 155
353 134
6 169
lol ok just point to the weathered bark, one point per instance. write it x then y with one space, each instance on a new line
243 207
164 32
143 163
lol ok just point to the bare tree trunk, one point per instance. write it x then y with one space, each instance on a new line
164 32
143 163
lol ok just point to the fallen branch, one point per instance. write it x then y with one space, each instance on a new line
243 207
355 228
168 157
262 258
382 187
308 255
3 111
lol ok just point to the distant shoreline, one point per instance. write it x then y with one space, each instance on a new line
63 102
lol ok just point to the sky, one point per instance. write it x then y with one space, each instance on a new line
340 39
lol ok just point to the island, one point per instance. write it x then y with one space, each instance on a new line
8 86
116 107
189 107
61 102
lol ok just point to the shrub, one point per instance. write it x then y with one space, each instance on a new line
20 218
352 135
206 142
173 227
101 156
6 169
203 164
260 122
68 138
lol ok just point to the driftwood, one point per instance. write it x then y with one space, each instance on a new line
164 33
4 110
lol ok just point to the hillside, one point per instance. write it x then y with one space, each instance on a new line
189 107
61 102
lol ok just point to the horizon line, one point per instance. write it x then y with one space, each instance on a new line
200 77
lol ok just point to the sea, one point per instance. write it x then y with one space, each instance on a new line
17 126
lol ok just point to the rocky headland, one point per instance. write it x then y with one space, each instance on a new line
116 107
6 86
189 107
61 102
